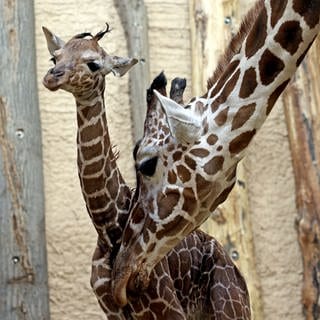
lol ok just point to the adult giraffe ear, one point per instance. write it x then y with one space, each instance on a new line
118 65
184 125
53 42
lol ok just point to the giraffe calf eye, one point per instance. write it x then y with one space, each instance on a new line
93 66
148 167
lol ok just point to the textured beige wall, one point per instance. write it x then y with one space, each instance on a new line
272 203
70 235
169 39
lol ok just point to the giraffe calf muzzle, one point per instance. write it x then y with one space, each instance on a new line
130 278
129 285
57 72
122 271
54 79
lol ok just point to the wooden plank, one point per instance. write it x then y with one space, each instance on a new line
212 25
302 109
133 17
23 275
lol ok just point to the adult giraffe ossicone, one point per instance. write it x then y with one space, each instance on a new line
187 159
195 279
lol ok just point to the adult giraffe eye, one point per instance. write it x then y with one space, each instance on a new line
148 167
93 66
53 59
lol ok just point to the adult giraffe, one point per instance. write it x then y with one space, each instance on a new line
196 279
186 162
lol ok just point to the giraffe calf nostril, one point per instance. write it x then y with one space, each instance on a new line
57 72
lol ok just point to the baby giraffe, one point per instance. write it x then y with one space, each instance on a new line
196 279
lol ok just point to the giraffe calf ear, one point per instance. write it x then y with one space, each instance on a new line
184 125
53 42
119 65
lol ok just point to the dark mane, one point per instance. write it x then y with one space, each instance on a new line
235 43
83 35
97 37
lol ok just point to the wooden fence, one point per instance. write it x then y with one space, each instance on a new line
23 263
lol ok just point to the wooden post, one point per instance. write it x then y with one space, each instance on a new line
23 263
133 17
302 109
212 24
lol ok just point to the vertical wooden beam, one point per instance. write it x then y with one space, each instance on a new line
302 109
23 275
212 25
134 17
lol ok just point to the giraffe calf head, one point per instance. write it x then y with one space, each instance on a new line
81 64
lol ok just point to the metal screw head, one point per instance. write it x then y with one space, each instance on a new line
15 259
20 133
235 254
228 20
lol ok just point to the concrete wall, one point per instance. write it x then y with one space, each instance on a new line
273 212
70 235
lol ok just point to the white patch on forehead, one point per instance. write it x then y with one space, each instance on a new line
90 55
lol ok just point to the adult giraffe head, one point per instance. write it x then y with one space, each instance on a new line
81 63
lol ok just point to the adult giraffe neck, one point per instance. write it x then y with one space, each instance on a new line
187 158
106 195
